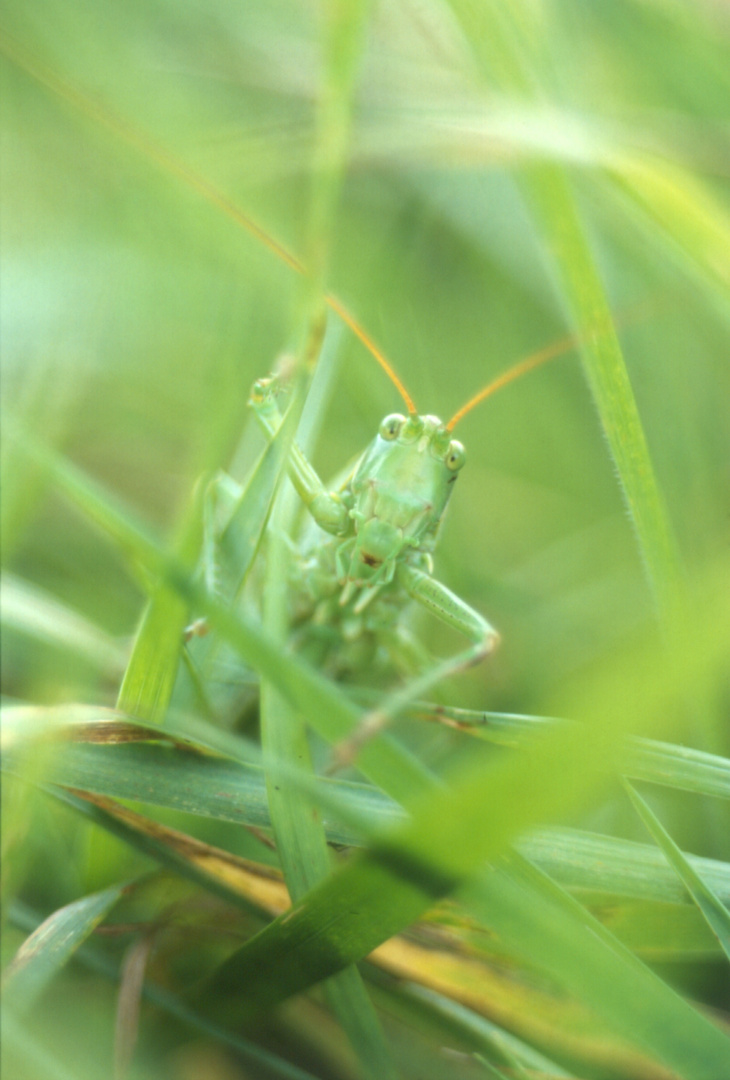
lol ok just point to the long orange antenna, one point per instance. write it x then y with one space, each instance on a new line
558 348
208 191
636 312
373 349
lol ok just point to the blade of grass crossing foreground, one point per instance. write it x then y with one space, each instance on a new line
713 910
517 904
192 779
248 885
211 868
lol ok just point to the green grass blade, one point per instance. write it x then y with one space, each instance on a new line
209 867
646 759
658 932
241 537
299 833
585 860
302 846
679 767
495 1073
542 923
609 381
150 676
188 777
712 908
476 1030
508 53
52 945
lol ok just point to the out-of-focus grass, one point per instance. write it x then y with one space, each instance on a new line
507 172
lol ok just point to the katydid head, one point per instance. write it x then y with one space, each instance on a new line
398 492
405 476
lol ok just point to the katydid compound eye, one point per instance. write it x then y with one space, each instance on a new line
455 456
391 427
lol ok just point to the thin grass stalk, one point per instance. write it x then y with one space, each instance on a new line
299 832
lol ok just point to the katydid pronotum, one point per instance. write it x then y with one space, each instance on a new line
367 549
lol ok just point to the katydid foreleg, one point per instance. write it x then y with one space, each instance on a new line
326 508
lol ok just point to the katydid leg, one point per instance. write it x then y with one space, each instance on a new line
325 507
452 610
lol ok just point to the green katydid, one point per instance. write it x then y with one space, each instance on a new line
366 551
370 551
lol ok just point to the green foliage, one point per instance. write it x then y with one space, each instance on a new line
190 194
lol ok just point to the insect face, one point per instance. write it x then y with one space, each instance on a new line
402 485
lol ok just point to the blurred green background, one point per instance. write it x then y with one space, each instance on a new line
136 316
